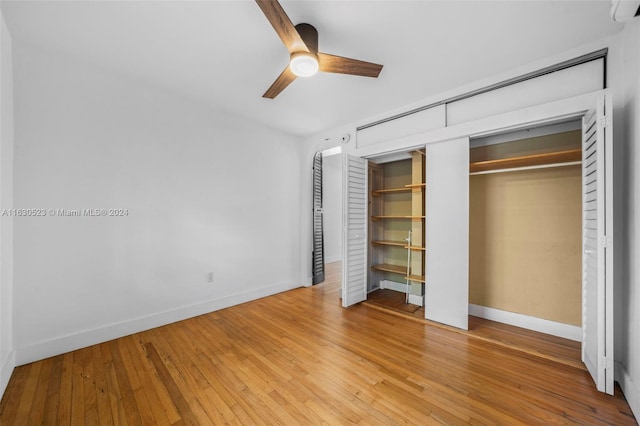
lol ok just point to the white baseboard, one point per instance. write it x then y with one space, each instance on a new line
567 331
402 288
71 342
6 370
416 300
629 388
331 259
393 285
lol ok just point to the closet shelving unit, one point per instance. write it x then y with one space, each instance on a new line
391 222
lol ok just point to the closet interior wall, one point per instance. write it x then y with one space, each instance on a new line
525 230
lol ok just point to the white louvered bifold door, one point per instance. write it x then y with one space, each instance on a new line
597 233
354 265
317 261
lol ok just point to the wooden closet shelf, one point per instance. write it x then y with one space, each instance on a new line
389 243
397 217
416 278
527 160
402 270
378 192
407 188
402 244
386 267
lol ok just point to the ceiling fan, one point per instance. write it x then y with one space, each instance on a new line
305 60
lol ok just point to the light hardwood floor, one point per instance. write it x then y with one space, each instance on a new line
299 358
530 342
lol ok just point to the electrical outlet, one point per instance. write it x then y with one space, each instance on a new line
210 277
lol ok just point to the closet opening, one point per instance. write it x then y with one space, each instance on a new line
396 231
525 229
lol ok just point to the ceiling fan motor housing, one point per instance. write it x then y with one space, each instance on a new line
309 35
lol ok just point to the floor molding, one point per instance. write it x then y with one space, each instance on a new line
558 329
414 299
393 285
82 339
629 388
6 370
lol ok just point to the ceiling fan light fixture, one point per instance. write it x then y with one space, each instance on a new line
304 64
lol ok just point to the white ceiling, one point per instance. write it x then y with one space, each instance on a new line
226 54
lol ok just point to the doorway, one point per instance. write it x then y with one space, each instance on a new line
326 211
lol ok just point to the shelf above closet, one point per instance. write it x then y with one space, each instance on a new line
568 156
393 243
397 217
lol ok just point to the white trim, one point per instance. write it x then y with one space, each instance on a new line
393 285
63 344
332 151
629 388
306 281
553 328
332 259
414 299
6 370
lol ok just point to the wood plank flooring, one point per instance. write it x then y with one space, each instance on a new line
395 301
299 358
530 342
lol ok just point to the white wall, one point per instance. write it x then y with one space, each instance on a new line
332 204
7 360
205 192
627 115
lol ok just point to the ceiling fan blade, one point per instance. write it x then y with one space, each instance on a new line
280 84
340 65
282 24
